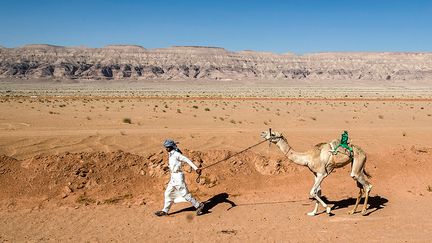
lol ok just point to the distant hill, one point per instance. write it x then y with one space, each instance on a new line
196 62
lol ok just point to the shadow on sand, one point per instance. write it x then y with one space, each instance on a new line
375 203
210 204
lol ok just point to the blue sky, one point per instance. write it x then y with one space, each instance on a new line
276 26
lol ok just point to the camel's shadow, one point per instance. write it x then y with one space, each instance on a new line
210 204
375 203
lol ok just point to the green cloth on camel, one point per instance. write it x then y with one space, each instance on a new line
343 143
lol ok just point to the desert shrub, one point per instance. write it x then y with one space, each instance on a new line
83 199
127 120
116 199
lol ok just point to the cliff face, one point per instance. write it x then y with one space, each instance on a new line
134 62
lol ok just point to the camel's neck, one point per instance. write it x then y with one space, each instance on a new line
295 157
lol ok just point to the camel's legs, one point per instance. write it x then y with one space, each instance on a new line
314 193
366 188
360 194
358 175
313 213
365 205
316 202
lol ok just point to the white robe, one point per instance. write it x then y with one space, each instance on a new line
177 190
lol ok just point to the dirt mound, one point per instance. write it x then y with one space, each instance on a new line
98 177
59 176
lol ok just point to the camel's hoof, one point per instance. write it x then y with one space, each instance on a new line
328 210
363 212
351 212
311 214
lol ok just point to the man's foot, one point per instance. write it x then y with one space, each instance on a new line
161 213
200 209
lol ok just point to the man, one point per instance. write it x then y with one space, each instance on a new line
177 186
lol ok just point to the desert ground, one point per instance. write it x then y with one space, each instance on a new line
85 162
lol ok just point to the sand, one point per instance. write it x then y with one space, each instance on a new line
90 166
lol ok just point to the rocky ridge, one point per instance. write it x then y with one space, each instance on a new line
122 62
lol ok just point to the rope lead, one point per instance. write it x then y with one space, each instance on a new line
229 157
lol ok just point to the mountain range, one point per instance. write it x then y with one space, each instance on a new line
123 62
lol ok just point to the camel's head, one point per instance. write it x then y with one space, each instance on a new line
271 136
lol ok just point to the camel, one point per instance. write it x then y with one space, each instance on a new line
321 161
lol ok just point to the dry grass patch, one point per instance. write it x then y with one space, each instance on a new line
117 199
127 120
83 199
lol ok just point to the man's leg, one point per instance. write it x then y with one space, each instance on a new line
192 200
188 196
168 200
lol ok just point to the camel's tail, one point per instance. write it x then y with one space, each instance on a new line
367 174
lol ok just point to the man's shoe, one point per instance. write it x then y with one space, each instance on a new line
200 209
161 213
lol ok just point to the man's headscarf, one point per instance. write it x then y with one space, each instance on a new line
170 143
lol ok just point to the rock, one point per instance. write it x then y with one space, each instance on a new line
66 191
269 166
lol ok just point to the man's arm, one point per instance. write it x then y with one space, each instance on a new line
185 159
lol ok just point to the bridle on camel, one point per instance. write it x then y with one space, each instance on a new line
237 153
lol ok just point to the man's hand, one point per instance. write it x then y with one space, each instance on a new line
198 171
